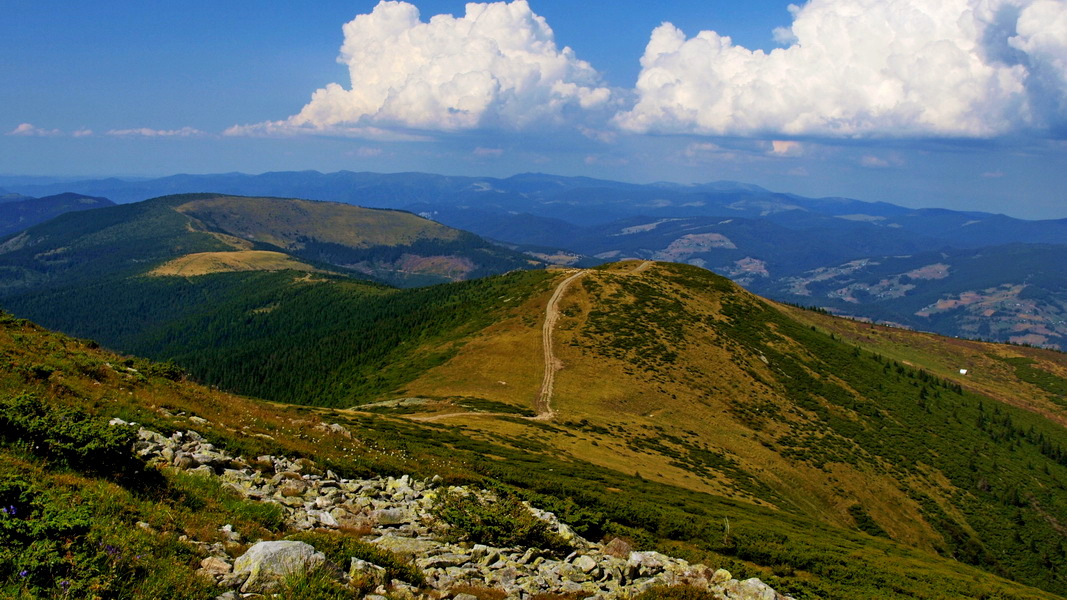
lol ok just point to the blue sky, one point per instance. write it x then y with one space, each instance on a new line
954 103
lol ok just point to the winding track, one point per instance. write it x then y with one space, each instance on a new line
543 405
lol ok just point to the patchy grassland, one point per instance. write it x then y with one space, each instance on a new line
686 406
680 377
203 263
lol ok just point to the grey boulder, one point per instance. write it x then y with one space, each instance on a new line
268 563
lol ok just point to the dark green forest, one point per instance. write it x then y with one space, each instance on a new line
327 342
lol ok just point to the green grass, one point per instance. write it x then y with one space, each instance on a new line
1054 386
872 413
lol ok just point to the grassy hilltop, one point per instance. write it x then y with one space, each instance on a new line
842 472
833 459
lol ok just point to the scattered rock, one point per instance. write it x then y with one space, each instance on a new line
585 562
214 567
618 548
395 514
268 563
362 568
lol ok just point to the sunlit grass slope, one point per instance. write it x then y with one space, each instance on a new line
118 242
202 263
679 375
94 551
291 223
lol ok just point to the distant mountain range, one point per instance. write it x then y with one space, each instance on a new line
993 276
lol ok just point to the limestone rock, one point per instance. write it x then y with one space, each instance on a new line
586 563
397 510
618 548
750 589
267 563
389 516
361 568
409 548
214 567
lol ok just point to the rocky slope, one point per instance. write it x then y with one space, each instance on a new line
398 516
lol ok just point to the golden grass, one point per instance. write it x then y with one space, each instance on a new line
286 222
203 263
945 356
697 399
694 400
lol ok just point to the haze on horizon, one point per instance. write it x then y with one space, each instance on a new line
959 104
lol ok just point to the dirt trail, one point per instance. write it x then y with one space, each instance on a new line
543 406
431 418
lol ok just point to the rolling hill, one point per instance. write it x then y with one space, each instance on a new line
679 375
1011 293
651 400
19 212
833 459
131 240
797 428
766 240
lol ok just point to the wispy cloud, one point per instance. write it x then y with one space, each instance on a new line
786 148
289 129
605 136
367 152
878 162
28 129
487 152
148 132
873 162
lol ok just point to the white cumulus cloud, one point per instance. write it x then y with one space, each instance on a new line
496 67
865 68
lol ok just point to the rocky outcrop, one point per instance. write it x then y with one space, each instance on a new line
395 513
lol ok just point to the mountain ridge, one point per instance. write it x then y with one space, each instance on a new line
583 221
708 449
376 243
20 212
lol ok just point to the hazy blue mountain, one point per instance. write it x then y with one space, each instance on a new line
765 240
579 201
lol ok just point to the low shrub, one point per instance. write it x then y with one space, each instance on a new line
319 584
502 521
68 435
677 592
341 548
